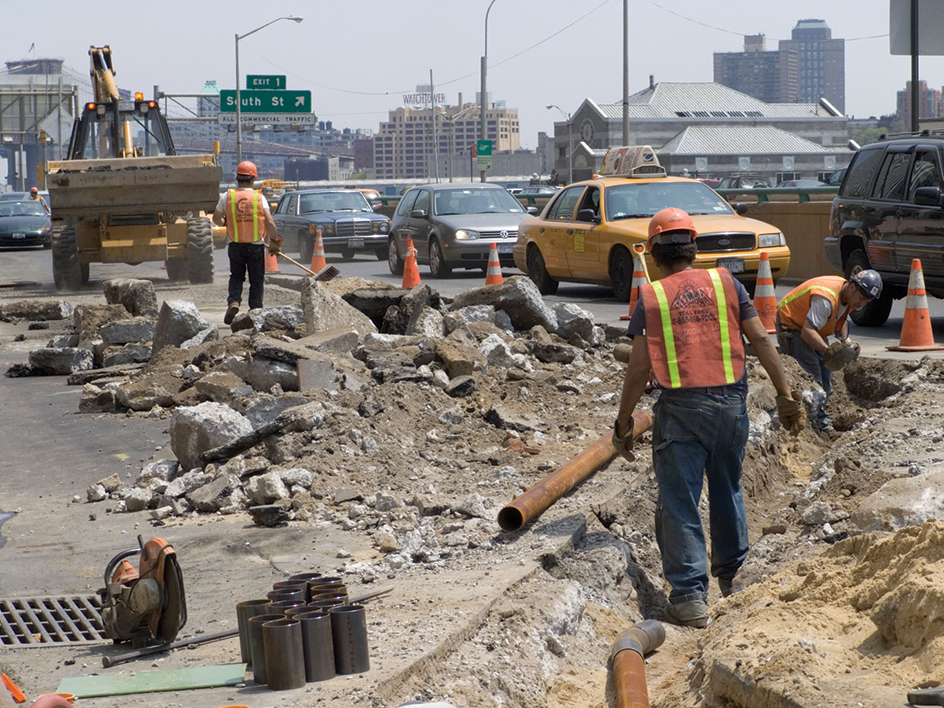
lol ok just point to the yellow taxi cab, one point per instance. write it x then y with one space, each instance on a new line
587 232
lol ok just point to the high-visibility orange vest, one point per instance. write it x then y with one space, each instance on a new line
693 329
245 216
795 306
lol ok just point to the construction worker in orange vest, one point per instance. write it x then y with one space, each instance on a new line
34 197
686 329
815 310
250 228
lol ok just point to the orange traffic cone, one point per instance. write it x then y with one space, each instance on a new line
765 298
493 275
318 262
271 262
916 335
411 275
640 278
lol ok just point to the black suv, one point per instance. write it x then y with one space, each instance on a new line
890 210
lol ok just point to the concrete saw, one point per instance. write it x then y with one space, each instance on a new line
144 605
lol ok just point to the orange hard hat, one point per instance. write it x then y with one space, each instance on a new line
671 225
33 190
247 169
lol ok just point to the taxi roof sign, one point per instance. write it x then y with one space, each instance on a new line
631 161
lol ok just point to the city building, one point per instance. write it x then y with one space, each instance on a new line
771 76
929 104
410 144
821 62
708 130
37 99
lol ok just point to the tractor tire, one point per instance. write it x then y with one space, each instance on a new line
67 271
176 269
199 250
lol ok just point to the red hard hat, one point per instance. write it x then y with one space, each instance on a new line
247 169
670 220
33 190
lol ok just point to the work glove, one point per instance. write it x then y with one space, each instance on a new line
838 354
792 414
275 246
624 444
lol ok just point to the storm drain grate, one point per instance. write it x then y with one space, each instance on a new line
43 621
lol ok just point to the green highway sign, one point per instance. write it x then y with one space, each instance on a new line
266 101
265 82
484 154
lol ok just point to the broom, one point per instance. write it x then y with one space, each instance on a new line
324 275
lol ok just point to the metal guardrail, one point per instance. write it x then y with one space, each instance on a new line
763 194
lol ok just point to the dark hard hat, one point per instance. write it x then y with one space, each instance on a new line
869 282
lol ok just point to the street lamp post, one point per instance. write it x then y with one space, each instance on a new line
451 120
570 144
239 132
483 100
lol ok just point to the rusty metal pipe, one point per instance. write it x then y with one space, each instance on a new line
629 669
534 501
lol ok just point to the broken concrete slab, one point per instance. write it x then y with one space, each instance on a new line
135 294
204 335
222 387
326 311
222 492
178 321
87 320
136 329
340 340
286 318
97 400
316 375
36 310
154 389
459 358
196 429
517 296
572 319
902 502
266 488
53 361
132 353
262 373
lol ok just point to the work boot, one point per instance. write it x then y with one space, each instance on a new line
726 586
231 313
693 613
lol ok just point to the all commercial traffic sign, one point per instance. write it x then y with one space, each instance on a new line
267 118
266 101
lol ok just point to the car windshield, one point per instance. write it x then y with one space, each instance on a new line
333 201
23 209
641 200
451 202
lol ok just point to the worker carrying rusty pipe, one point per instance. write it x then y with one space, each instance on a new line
534 501
686 329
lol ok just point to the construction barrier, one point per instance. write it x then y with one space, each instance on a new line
916 334
411 274
765 297
493 275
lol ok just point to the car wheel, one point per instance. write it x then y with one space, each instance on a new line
347 254
438 267
621 274
381 253
875 313
306 249
538 272
394 261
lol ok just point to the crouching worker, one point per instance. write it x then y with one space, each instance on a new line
815 310
686 328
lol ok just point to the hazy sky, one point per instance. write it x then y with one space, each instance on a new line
358 57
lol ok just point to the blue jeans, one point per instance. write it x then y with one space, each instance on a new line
697 435
811 361
246 258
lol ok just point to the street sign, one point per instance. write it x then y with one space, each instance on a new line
484 152
266 101
258 81
267 118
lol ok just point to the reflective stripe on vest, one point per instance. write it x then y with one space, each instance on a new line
795 305
703 347
240 220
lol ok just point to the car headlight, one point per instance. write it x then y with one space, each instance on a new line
771 240
381 227
467 235
327 229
